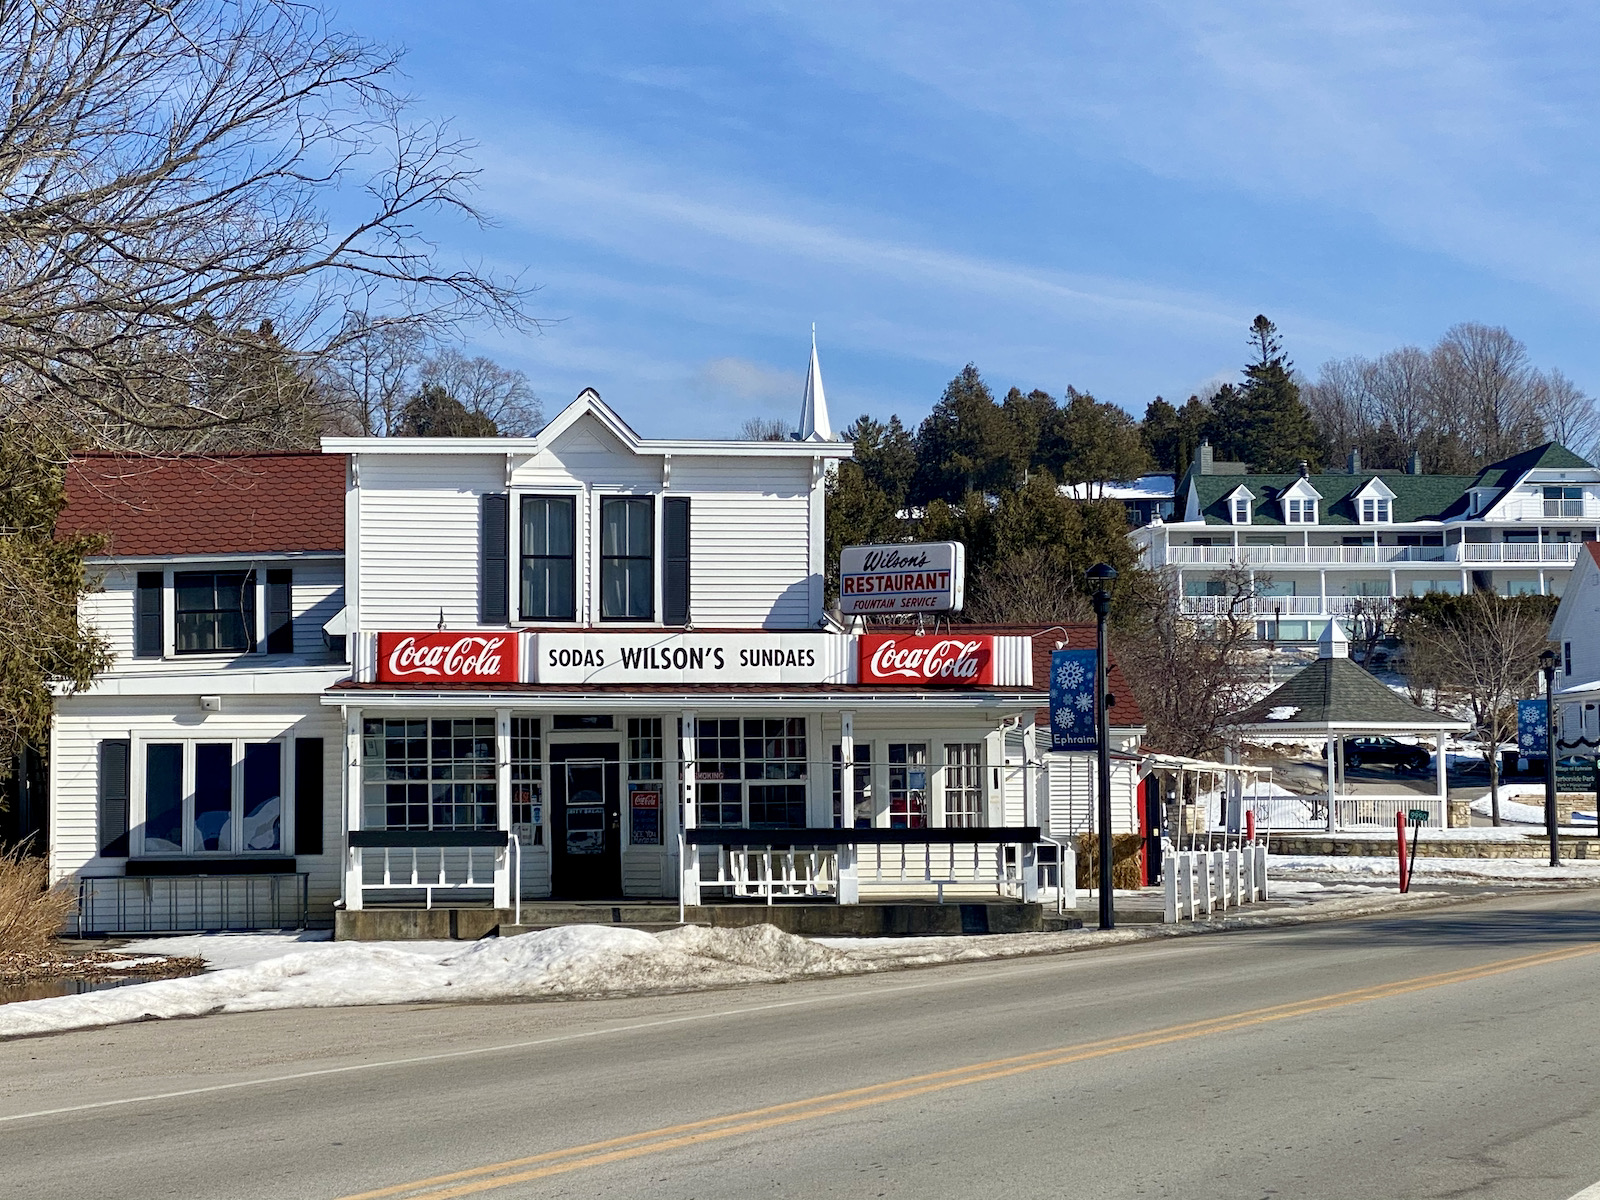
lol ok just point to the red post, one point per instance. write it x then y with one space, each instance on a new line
1250 825
1400 842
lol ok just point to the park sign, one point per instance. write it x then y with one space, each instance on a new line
909 578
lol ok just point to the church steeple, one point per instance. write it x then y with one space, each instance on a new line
814 423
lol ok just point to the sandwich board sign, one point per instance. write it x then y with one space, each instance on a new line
909 578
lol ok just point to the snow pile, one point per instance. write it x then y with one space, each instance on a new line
1518 812
574 960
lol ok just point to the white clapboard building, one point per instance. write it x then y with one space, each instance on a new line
569 657
196 784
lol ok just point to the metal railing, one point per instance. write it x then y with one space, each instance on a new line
1378 811
465 862
192 903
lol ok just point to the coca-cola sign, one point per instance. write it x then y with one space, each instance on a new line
448 657
944 661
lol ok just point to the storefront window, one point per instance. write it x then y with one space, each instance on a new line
644 781
527 784
908 785
863 774
752 772
429 774
963 784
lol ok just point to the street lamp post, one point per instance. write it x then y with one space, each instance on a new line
1547 664
1103 574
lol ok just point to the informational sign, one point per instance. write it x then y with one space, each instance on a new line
644 808
919 577
1072 707
1575 774
924 660
448 657
690 658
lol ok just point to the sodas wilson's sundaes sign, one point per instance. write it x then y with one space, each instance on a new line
626 658
926 660
917 577
448 657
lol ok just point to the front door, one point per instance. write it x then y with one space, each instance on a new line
586 821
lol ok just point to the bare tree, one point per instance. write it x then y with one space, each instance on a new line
1372 619
371 374
1032 587
1484 390
167 173
486 389
764 429
1568 414
1481 651
1189 671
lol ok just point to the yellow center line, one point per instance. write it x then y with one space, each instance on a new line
554 1162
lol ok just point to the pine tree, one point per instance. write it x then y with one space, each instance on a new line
1263 422
966 443
434 412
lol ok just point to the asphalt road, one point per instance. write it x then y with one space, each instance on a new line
1446 1053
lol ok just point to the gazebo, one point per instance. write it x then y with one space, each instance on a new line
1333 699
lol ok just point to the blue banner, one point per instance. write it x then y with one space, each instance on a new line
1531 738
1072 708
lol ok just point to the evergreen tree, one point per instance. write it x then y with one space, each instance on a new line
1096 443
434 412
1264 422
886 454
1033 417
966 443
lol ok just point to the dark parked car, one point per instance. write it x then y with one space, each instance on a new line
1371 751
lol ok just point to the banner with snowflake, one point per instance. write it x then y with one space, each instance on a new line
1072 675
1531 740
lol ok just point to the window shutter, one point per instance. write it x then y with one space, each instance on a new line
114 754
147 626
308 795
494 587
280 612
675 555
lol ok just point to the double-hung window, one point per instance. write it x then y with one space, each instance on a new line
1241 511
549 574
1374 510
1302 512
627 558
215 611
963 784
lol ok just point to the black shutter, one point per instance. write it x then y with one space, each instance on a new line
114 754
147 625
494 585
307 795
675 557
280 612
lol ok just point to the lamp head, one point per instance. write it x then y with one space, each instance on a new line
1102 573
1547 661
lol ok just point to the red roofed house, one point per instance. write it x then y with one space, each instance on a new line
196 784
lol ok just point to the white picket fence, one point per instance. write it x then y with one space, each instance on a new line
1206 882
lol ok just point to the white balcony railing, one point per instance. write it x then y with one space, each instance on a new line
1548 553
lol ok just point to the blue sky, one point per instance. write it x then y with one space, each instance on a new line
1086 194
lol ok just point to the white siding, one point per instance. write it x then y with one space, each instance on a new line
110 611
82 722
1072 795
749 561
419 539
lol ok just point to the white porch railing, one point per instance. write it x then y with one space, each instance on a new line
835 864
1548 553
471 865
1203 882
1378 811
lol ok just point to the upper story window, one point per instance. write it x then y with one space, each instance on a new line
1563 502
549 575
1300 511
215 611
1374 510
1241 511
627 558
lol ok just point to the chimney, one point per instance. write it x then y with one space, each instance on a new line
1414 467
1355 461
1305 468
1207 458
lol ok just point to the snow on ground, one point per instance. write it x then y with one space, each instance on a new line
1515 871
1513 807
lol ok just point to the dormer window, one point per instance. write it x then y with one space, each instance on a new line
1300 511
1374 510
1240 501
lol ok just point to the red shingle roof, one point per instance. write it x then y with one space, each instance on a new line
208 504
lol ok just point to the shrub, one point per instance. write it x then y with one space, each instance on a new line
31 911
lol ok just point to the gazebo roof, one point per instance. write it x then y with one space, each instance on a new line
1334 695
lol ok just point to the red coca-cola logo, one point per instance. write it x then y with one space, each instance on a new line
447 657
896 658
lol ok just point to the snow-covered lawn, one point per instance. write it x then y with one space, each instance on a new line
275 971
1512 871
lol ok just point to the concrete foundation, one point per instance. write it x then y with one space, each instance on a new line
811 920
